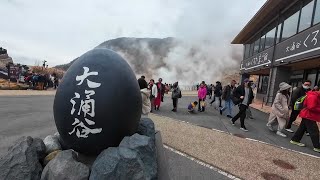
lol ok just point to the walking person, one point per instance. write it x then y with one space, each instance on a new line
202 93
153 95
209 89
176 94
217 94
161 90
227 93
280 109
242 96
310 115
297 93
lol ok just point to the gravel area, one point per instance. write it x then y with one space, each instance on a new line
241 157
26 92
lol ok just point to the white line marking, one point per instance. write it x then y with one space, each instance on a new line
202 163
294 55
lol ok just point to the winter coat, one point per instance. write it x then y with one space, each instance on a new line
154 91
218 90
280 106
202 92
296 94
162 88
240 91
227 92
312 106
176 92
146 104
142 83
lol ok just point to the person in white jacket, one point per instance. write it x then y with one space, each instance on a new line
146 104
153 94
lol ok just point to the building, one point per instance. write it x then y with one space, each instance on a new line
282 43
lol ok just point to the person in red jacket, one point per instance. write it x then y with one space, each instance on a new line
310 115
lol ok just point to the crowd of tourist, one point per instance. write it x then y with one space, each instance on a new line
287 106
41 81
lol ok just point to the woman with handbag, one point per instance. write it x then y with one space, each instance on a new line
202 93
176 94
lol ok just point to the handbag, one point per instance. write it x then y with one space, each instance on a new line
203 104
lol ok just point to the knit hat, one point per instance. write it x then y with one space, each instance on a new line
284 86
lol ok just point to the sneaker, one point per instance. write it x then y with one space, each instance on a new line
281 134
316 150
297 143
244 129
232 122
289 130
308 134
270 127
220 112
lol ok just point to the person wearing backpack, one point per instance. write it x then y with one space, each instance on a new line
176 94
280 109
310 115
242 96
297 93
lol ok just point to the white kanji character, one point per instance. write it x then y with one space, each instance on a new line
288 49
86 73
88 105
73 102
85 131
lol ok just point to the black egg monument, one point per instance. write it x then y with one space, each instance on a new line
97 103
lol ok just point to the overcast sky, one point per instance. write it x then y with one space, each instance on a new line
61 30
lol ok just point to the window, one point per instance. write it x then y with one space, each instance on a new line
251 49
270 38
278 33
246 51
263 84
263 40
317 13
306 16
290 26
256 46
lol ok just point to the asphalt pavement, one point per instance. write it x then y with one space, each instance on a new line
33 116
212 119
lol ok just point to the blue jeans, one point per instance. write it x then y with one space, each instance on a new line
228 104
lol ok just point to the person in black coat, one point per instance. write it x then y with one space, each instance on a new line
242 96
142 82
217 93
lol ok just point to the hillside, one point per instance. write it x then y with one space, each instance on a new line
172 59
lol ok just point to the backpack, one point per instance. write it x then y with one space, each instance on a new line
298 105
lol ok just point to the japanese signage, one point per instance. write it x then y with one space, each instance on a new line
14 71
83 106
303 45
260 60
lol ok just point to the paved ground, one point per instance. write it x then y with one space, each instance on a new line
32 116
212 119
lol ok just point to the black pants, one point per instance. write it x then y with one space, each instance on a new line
293 117
199 106
241 114
214 99
175 103
312 128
